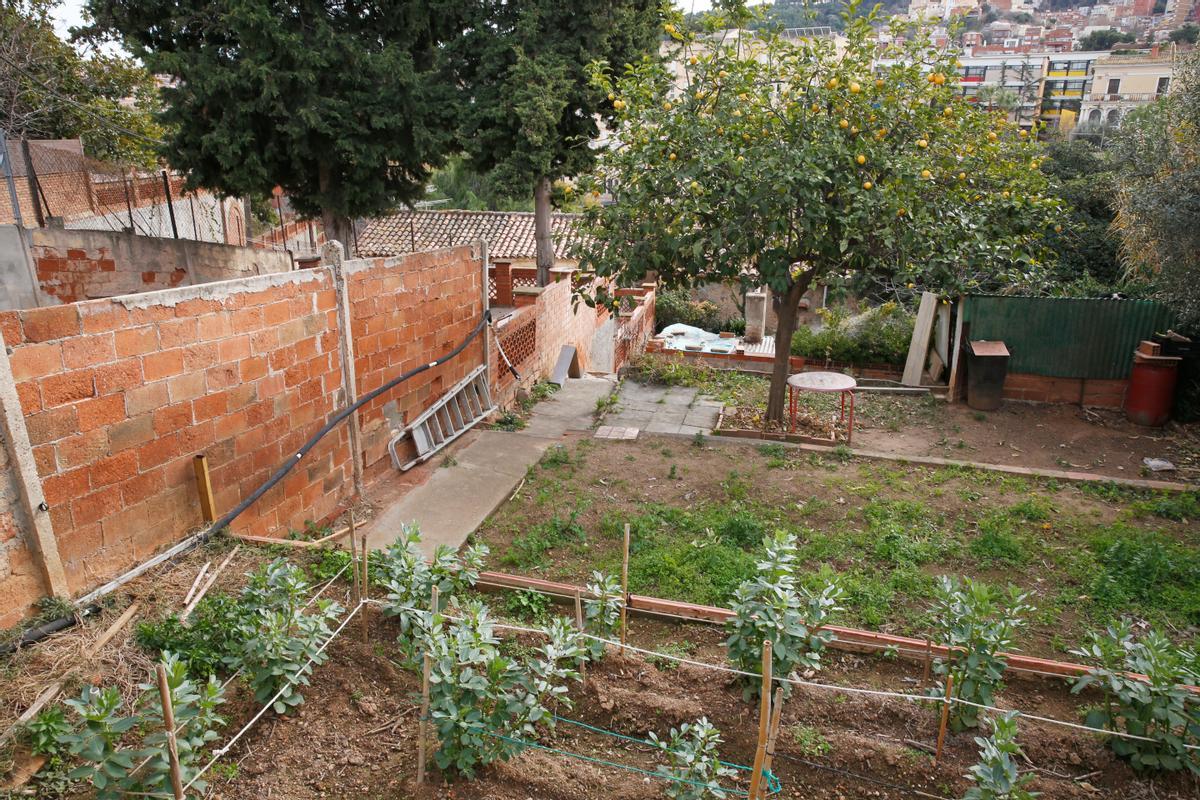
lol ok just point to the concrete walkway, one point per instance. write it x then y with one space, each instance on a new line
663 409
457 499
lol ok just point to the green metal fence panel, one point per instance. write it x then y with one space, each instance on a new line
1066 337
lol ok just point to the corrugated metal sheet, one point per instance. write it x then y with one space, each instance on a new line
1066 337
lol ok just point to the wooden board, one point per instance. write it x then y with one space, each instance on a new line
919 346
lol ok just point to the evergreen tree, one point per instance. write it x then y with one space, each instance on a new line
533 110
346 105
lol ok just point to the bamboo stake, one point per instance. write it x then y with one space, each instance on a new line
937 755
579 627
773 730
196 583
212 578
365 579
624 588
354 576
928 659
426 668
164 691
764 719
208 508
52 691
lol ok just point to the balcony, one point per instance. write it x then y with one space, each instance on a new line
1138 97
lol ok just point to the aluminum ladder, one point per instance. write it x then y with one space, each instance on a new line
468 403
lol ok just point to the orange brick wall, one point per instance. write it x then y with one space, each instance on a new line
120 394
405 312
1087 392
561 322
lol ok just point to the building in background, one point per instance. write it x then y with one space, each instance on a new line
1121 83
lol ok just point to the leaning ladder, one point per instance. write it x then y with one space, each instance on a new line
468 402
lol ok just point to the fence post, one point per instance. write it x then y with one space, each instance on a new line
170 206
34 189
164 692
624 588
941 737
128 202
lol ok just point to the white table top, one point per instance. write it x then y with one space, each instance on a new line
822 382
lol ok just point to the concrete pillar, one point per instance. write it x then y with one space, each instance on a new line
39 529
756 316
332 255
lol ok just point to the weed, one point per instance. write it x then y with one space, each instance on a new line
606 403
736 487
508 421
682 649
979 416
842 454
1180 507
528 605
42 733
530 548
773 450
741 530
810 741
1143 568
997 542
449 461
698 439
556 456
673 474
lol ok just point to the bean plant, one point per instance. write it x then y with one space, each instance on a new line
280 640
601 611
486 705
977 622
115 771
409 580
771 607
1158 707
693 767
996 775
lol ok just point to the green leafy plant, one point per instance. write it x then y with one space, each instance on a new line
485 705
215 631
771 607
281 642
115 771
996 775
43 732
693 767
601 611
977 622
1158 707
409 580
810 741
880 335
527 604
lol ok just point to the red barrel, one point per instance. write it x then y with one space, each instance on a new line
1151 389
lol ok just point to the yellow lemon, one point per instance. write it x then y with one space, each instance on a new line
612 96
947 111
667 106
861 159
1004 194
926 174
911 285
992 137
962 176
921 143
832 83
1024 134
618 104
879 83
854 129
740 159
868 185
1058 228
671 157
722 74
815 108
669 28
693 61
855 88
695 186
900 212
843 123
737 113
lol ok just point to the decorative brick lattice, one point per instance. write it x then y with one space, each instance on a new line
491 287
524 277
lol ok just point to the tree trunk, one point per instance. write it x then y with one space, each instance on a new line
339 228
787 307
541 230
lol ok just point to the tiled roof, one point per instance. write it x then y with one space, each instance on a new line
509 234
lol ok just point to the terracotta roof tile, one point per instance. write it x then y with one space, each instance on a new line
509 234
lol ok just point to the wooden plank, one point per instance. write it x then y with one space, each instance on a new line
956 350
919 346
208 509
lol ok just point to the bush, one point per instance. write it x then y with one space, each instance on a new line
1160 707
881 335
676 306
772 608
977 622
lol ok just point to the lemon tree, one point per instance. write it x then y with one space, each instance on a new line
754 159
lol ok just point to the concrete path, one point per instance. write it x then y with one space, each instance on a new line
663 409
457 499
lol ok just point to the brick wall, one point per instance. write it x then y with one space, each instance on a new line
120 394
75 265
407 311
1081 391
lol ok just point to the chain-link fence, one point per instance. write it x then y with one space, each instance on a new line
54 179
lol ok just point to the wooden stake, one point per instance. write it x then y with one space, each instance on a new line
624 588
196 583
208 509
773 730
579 627
212 578
426 667
365 579
164 691
928 659
764 720
937 755
354 576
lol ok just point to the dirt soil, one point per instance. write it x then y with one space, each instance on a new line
355 736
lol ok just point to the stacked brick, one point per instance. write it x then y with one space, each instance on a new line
75 274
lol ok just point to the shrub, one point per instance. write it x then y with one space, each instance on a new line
601 611
694 768
214 633
485 705
676 306
526 604
996 775
977 622
880 335
1160 707
741 530
109 768
280 642
771 608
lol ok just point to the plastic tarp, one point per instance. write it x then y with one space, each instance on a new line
696 340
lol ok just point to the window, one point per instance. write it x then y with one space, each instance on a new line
1163 85
1114 86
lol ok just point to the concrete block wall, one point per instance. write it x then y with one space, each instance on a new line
405 312
74 265
118 395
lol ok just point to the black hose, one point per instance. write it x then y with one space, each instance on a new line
37 634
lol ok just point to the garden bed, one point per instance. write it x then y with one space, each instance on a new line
748 422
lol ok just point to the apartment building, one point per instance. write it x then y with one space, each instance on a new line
1121 83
